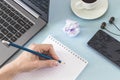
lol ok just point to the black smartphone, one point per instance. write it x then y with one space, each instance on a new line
106 45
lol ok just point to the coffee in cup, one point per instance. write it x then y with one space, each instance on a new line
89 1
87 4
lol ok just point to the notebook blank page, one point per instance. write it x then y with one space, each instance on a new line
73 66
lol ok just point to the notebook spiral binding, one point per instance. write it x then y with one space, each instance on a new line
66 48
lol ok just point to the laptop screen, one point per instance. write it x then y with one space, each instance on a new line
40 6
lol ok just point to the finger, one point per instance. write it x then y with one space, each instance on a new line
48 49
52 52
47 63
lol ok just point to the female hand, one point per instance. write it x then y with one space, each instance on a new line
27 61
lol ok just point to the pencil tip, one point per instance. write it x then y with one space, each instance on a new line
63 63
59 61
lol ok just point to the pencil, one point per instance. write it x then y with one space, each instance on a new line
28 50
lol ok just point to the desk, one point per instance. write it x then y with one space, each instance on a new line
99 68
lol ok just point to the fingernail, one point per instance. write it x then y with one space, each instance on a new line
55 63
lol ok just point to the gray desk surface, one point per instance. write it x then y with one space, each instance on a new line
99 68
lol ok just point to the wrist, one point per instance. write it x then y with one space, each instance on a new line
9 71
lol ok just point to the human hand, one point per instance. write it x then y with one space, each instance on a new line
27 61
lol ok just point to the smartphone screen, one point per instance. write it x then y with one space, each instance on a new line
106 45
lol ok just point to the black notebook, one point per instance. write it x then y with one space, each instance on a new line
106 45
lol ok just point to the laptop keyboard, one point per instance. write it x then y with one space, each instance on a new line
12 24
42 4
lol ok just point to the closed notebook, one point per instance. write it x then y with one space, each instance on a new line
74 65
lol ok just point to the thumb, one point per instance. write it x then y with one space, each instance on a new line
47 63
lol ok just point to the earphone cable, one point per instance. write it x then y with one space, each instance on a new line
111 32
116 26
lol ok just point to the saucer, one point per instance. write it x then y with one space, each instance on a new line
90 13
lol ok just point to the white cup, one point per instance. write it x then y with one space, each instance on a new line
84 5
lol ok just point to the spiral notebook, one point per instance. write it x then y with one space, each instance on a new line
74 65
